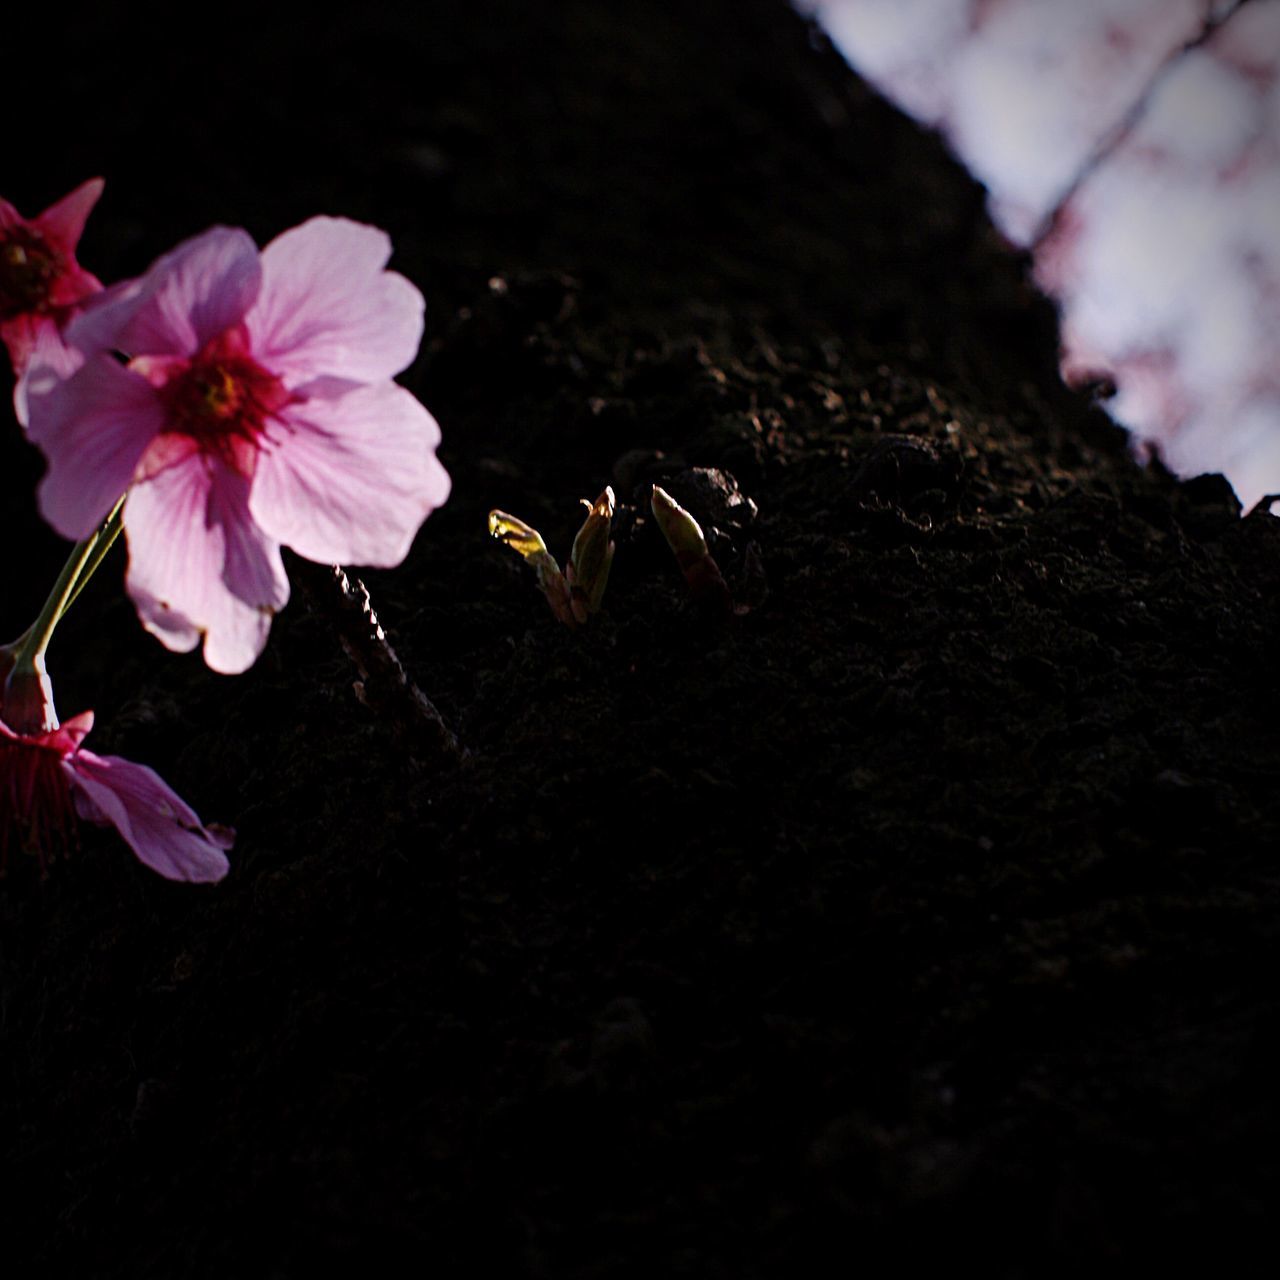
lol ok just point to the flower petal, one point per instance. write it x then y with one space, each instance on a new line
64 739
9 216
49 360
19 335
327 307
198 565
350 480
93 429
64 221
73 286
186 298
156 823
71 733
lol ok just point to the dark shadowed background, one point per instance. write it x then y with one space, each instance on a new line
925 911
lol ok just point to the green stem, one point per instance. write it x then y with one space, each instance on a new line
105 539
12 649
85 557
8 656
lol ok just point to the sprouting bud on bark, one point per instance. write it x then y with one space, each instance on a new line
683 533
689 546
517 535
592 557
526 541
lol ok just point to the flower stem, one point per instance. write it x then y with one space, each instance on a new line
84 559
102 541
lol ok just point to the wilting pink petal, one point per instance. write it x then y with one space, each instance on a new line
155 822
329 309
198 566
47 778
36 810
353 477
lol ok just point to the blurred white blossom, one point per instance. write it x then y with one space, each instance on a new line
1134 147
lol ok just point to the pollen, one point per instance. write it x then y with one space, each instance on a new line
29 267
223 400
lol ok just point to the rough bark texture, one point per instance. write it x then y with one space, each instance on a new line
925 910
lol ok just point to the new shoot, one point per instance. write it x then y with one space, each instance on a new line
574 594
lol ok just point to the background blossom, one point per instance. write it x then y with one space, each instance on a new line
40 279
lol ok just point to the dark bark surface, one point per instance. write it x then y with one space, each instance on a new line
926 909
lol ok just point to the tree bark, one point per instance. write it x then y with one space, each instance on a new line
926 907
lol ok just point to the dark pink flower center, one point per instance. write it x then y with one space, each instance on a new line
222 400
36 809
29 268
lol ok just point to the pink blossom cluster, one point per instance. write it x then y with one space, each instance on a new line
237 400
1133 146
255 408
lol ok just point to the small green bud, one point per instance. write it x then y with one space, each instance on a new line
527 542
514 533
683 533
592 556
689 546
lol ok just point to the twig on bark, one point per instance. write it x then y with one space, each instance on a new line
383 685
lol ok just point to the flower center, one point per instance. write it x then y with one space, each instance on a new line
222 399
36 809
29 267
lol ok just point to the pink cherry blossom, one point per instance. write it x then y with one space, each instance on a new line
245 401
40 279
47 779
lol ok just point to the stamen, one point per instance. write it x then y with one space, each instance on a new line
223 399
28 269
37 812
